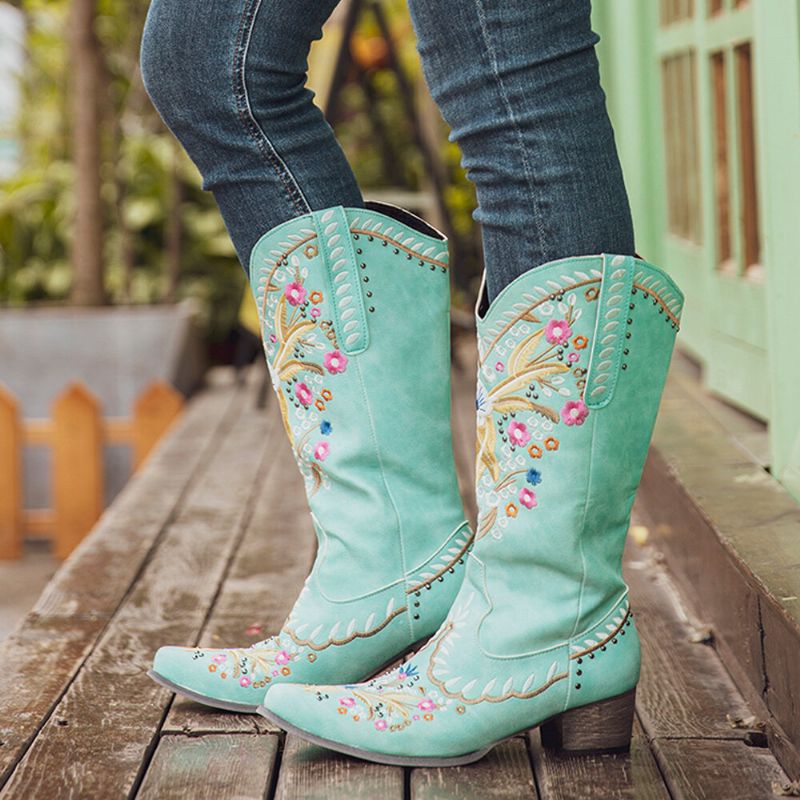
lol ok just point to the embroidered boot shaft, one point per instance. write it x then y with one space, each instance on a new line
354 307
573 358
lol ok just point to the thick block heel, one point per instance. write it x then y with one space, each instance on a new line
600 727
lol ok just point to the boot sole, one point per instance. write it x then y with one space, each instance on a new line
247 708
573 731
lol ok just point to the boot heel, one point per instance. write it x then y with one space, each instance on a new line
600 727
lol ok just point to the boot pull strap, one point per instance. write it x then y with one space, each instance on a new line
344 283
610 328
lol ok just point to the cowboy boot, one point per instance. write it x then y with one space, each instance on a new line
573 358
365 400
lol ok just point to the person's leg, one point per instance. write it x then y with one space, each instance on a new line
518 83
353 303
228 78
573 349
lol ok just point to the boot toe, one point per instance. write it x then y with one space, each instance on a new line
205 675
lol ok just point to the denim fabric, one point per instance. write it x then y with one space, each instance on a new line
517 80
228 78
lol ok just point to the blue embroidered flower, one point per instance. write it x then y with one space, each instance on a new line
325 427
533 476
407 671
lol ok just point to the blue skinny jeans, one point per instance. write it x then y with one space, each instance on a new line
516 80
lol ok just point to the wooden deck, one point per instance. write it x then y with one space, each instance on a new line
210 544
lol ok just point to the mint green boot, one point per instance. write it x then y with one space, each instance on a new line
354 307
573 358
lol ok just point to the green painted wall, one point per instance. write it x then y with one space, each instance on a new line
739 322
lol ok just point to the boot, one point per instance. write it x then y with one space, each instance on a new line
354 307
573 358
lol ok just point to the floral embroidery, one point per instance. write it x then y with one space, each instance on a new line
527 497
335 362
390 702
327 394
534 451
303 394
315 297
557 331
295 293
580 342
315 313
533 476
574 412
518 433
511 510
320 405
551 443
321 450
325 427
499 366
572 358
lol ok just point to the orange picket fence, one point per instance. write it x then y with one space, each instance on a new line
76 434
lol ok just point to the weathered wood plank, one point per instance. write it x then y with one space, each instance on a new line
108 718
502 774
210 768
145 506
76 604
684 689
708 769
617 776
708 577
265 577
309 772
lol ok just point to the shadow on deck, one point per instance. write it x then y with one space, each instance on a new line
210 544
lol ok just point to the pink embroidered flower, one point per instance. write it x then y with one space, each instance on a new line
282 657
426 705
321 450
244 681
347 701
273 338
518 433
315 312
303 394
572 357
335 362
295 293
557 331
381 725
499 366
220 658
574 412
527 497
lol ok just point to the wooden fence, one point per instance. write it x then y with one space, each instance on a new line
76 434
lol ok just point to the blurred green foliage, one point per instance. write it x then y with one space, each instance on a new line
141 164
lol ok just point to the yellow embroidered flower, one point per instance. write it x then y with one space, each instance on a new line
315 297
534 451
579 342
327 394
310 250
511 510
551 443
319 404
